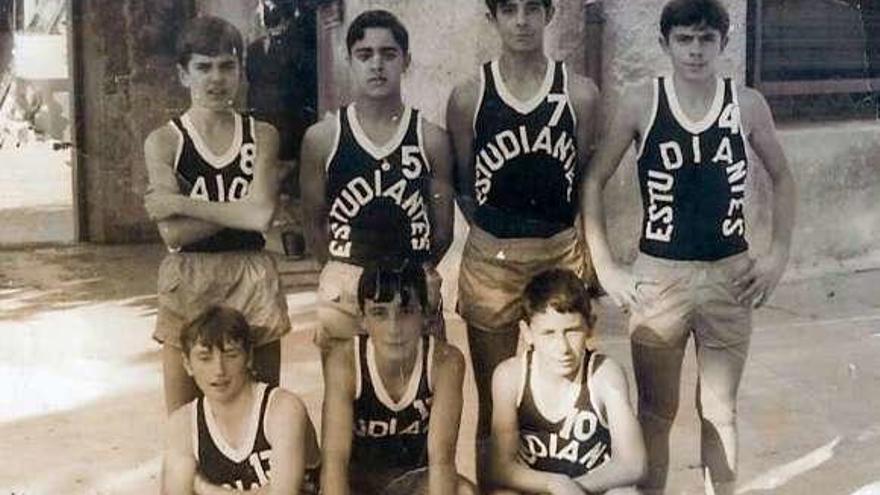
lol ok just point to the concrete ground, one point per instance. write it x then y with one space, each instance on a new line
81 407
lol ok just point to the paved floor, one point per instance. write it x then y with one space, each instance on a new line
81 402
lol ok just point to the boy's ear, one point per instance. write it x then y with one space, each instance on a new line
526 332
551 11
663 44
183 75
186 364
724 39
407 59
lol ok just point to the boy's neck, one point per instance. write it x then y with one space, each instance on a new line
689 90
230 413
522 64
379 111
396 363
204 117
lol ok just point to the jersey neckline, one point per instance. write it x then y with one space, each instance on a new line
382 394
376 151
694 127
237 454
202 148
523 107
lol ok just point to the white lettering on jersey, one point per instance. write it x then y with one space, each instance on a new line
358 193
508 145
263 474
559 100
695 145
248 155
672 161
729 118
724 153
733 223
533 448
659 224
379 428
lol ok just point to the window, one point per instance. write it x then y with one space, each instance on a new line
815 59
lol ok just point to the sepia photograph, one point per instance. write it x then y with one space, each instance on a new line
458 247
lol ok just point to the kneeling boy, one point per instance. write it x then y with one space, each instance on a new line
392 398
242 435
562 422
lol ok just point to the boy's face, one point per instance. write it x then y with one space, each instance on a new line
559 340
521 23
220 374
694 51
393 323
212 80
377 63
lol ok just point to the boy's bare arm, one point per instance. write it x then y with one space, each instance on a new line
253 212
759 282
625 126
337 419
441 202
286 432
585 100
505 469
179 465
628 463
313 185
159 151
460 110
445 419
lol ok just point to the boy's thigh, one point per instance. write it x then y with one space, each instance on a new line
494 273
246 281
662 319
722 322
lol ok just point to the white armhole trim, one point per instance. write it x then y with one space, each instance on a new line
590 370
266 413
336 138
430 373
422 148
479 100
180 143
195 428
654 106
734 93
357 367
522 379
574 117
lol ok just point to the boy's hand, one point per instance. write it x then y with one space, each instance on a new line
161 205
760 280
563 485
622 286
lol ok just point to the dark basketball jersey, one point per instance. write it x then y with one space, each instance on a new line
525 157
388 435
573 445
203 175
241 469
693 178
378 196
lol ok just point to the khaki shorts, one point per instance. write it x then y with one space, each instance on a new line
691 296
244 280
338 310
495 271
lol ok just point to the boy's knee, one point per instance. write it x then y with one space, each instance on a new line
717 411
657 414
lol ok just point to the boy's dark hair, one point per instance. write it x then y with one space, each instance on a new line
209 36
377 19
559 289
214 326
493 5
380 284
702 13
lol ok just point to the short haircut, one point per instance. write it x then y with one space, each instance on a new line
702 13
559 289
214 326
380 284
493 5
381 19
209 36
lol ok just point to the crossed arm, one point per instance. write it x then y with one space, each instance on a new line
183 220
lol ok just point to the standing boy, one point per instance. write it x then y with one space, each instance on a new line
693 275
213 187
392 398
522 132
561 418
376 179
241 435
